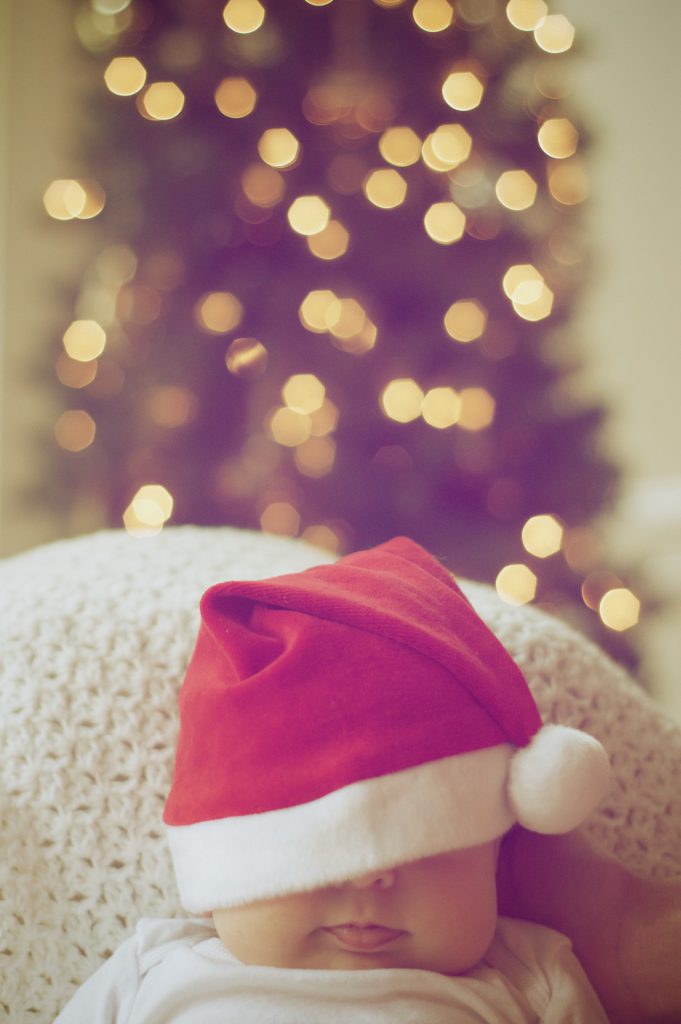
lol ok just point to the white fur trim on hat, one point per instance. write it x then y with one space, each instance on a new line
557 779
441 805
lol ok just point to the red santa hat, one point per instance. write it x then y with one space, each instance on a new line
353 717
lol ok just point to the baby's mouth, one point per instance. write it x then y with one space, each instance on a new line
364 938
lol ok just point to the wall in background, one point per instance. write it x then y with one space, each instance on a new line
627 86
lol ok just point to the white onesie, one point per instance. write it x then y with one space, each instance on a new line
178 972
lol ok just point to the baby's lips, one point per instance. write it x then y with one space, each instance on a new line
364 937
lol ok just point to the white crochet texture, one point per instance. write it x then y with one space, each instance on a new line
95 635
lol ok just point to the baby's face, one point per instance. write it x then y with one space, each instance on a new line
437 914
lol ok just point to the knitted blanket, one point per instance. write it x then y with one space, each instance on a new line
95 635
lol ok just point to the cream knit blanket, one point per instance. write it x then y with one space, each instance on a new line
95 634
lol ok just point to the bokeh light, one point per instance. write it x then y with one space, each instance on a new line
558 138
75 430
308 215
619 609
84 340
278 147
149 510
400 146
235 97
218 312
441 407
465 320
401 400
289 427
314 308
315 457
516 190
330 243
554 34
246 357
478 409
444 223
303 392
244 16
125 76
385 188
69 198
281 519
568 181
516 584
542 535
463 90
262 185
433 15
526 14
161 101
450 145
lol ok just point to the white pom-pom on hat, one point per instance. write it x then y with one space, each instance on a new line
557 779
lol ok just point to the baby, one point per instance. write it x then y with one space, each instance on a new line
354 742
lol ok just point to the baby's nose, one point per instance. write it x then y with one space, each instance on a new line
379 879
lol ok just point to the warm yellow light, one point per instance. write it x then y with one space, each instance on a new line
74 374
64 199
74 430
389 3
441 407
444 223
303 392
619 609
125 76
308 215
315 457
289 427
330 243
477 409
430 158
359 342
246 357
401 400
400 146
321 535
235 97
516 279
325 419
451 144
319 3
516 190
516 584
278 147
314 308
84 340
344 318
542 535
244 16
533 301
526 14
280 518
67 198
558 138
432 15
463 90
161 101
554 34
218 312
262 185
568 182
385 188
465 320
150 508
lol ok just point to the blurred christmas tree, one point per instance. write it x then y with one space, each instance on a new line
341 246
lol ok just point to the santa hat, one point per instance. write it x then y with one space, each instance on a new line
350 718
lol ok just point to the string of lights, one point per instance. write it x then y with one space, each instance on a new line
341 242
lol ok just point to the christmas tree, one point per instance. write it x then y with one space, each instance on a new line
341 245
